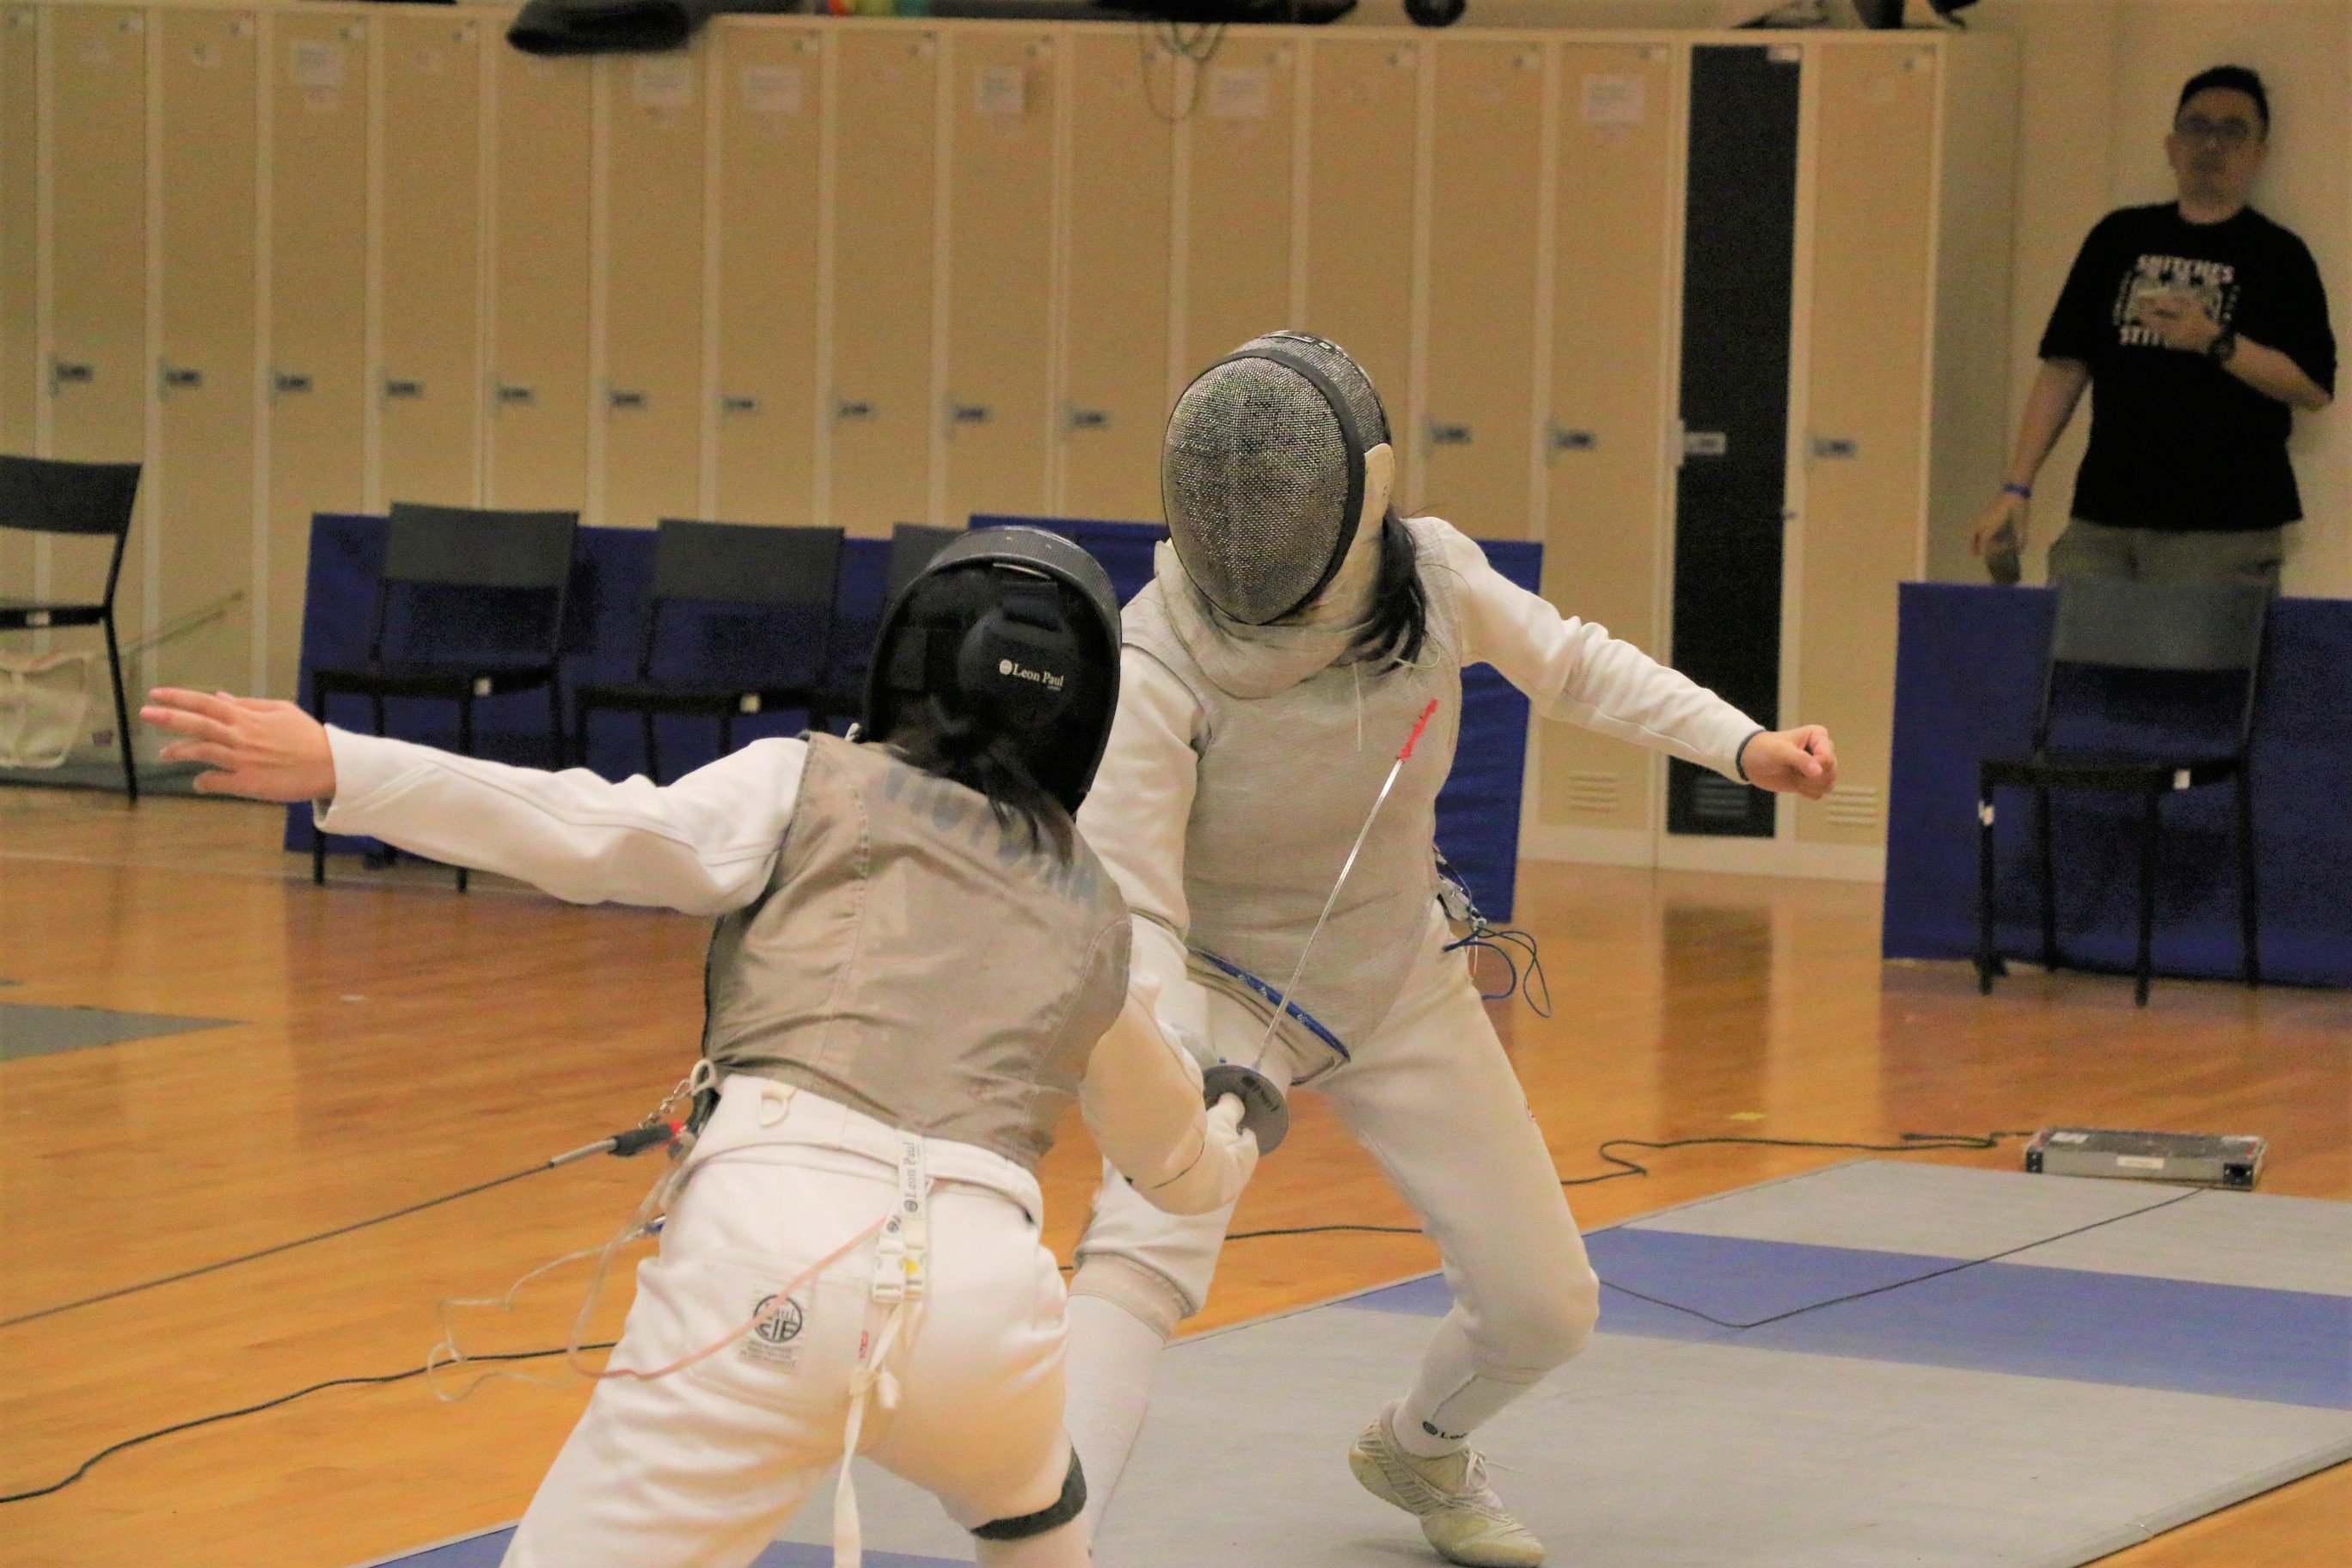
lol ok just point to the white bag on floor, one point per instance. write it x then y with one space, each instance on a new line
45 708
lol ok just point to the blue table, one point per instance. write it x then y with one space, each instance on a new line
1478 815
1967 675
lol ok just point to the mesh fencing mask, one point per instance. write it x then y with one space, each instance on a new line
1263 473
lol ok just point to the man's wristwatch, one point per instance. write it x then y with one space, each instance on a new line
2223 347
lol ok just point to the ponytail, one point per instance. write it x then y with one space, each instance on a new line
1399 624
962 749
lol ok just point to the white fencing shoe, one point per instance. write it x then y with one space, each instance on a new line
1458 1510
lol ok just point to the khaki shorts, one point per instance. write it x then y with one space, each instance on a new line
2166 555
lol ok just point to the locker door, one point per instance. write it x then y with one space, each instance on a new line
1237 200
1476 438
204 500
318 301
539 285
767 226
99 368
22 378
1360 211
1115 323
1604 446
652 396
1873 253
1000 300
883 416
430 380
1738 266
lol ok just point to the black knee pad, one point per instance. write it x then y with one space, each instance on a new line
1053 1516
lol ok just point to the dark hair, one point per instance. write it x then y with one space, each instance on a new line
2232 79
947 734
1399 624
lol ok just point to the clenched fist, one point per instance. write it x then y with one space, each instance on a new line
1800 761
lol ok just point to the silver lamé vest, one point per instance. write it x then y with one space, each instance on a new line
916 959
1284 782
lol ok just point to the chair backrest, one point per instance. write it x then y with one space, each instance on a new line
2158 630
452 547
459 547
42 495
912 545
746 563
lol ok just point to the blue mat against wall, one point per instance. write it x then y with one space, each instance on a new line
1968 676
1478 815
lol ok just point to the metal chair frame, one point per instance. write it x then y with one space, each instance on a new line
2178 629
42 495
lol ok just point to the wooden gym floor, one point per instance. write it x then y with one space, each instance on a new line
397 1041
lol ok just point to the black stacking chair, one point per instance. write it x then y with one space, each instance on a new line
728 563
39 496
487 576
912 545
2156 648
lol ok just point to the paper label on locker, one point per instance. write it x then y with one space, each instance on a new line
1240 92
662 84
1000 90
315 63
771 90
1616 100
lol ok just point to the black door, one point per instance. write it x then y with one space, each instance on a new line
1738 266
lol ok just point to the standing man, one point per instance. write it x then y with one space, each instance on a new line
2201 325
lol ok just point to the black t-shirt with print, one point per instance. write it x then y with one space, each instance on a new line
2178 442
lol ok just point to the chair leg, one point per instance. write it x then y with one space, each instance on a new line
465 748
555 725
121 710
653 751
2149 843
318 840
2249 904
1987 960
2048 879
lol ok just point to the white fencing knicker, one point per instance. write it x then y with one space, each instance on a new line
939 1353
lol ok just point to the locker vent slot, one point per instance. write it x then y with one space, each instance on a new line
1595 792
1852 805
1714 798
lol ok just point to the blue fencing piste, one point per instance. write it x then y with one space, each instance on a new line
1968 676
1478 815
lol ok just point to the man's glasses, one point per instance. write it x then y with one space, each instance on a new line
2230 134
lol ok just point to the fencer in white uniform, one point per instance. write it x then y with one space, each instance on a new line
1294 629
918 965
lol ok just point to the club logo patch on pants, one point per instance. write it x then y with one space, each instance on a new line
779 1325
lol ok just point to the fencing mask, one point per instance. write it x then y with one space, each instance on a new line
1017 627
1262 472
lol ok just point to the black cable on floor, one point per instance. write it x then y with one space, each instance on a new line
269 1251
113 1448
1911 1143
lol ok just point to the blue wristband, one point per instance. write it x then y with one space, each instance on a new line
1739 760
2024 493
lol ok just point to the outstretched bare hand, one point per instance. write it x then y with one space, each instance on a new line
1800 761
261 748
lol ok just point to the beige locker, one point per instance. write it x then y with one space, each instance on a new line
21 378
202 497
1000 269
1476 439
98 375
1237 236
770 82
651 308
430 379
882 270
539 285
318 160
1358 261
1866 421
1614 201
1115 328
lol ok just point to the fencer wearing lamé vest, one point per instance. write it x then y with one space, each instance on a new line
1294 743
896 895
